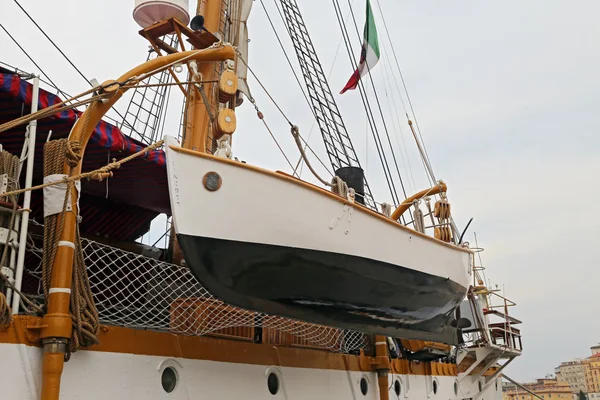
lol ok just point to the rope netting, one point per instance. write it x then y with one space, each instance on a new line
139 291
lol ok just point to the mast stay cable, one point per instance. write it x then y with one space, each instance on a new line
368 111
378 104
426 160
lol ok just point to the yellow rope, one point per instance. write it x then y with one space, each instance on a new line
48 111
5 313
100 172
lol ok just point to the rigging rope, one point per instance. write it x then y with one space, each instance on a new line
31 59
337 185
261 116
65 56
367 107
95 174
385 128
426 155
47 112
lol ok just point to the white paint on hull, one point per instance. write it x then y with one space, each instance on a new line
257 207
92 375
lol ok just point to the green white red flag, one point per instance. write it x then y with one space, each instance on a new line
369 55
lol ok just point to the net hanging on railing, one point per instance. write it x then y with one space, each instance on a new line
138 291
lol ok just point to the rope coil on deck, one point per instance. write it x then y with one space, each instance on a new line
83 309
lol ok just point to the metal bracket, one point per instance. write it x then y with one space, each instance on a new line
8 237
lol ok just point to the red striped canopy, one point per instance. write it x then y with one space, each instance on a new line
121 207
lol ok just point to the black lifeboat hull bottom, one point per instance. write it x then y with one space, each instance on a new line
326 288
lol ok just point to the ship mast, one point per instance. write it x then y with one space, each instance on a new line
201 101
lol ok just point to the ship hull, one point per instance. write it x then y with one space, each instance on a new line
268 242
100 375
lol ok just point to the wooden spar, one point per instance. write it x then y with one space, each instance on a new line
441 188
57 325
198 119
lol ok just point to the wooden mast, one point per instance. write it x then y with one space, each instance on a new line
197 129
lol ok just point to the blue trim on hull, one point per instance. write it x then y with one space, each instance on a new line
326 288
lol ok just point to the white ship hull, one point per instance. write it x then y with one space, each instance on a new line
96 375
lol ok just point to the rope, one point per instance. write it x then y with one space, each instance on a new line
49 111
339 187
9 165
95 174
84 314
5 313
260 116
296 134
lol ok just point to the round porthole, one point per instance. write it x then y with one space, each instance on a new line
273 383
480 386
364 386
212 181
397 387
456 388
168 379
435 387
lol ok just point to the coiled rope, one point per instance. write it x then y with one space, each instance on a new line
83 311
9 165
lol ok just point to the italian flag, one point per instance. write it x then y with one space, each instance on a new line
369 55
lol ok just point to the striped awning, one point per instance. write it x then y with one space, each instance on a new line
121 207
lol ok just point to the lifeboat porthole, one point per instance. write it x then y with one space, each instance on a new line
456 388
273 383
435 387
364 386
168 379
212 181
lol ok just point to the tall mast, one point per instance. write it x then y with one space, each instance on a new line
197 135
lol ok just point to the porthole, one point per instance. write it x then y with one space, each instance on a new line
364 386
435 387
273 383
480 386
456 388
496 385
397 387
168 379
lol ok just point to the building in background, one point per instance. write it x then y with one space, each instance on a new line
595 349
546 388
573 373
591 366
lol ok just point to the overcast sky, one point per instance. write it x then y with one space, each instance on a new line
506 95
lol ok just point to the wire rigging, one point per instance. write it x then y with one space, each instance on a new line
426 155
64 55
366 105
379 106
338 142
337 51
32 60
